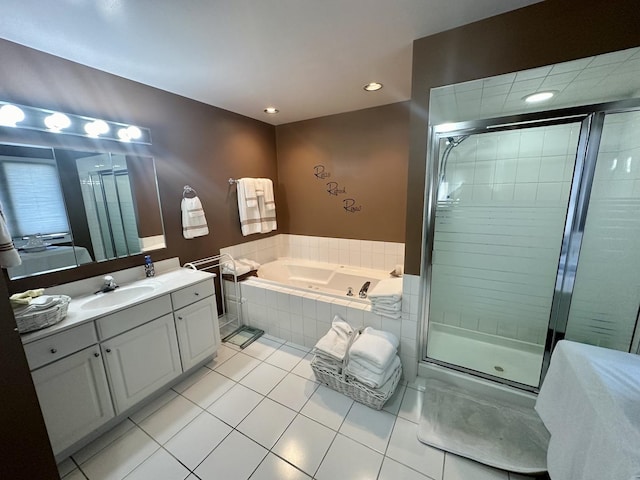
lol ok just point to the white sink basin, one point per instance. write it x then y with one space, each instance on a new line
118 297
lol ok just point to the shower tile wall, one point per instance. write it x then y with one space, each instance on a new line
530 169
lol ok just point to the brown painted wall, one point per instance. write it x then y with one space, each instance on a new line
549 32
366 153
193 144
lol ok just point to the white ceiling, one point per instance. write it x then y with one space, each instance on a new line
309 58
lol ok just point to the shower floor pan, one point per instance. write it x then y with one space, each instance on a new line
484 427
498 356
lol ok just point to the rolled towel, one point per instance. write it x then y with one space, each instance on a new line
24 298
369 378
387 288
252 265
335 342
374 346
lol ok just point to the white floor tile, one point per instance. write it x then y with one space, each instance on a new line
170 419
236 404
303 369
159 466
392 470
293 391
75 475
272 338
304 444
411 407
195 377
238 366
152 406
192 477
286 357
263 378
120 457
299 347
198 439
274 468
393 404
459 468
66 466
223 354
103 441
368 426
327 407
261 348
405 447
267 422
349 459
235 458
208 389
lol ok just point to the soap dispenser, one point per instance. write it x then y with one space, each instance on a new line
149 269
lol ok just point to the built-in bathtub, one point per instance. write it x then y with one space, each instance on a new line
326 278
297 299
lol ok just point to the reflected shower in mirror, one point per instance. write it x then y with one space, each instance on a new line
66 208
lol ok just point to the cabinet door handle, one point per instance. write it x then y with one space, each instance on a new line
108 350
53 350
96 354
196 294
179 318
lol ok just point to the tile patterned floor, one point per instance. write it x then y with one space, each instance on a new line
259 414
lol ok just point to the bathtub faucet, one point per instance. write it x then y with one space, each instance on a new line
364 290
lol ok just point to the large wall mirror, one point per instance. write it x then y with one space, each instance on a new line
66 208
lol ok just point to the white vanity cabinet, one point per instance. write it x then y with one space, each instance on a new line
92 371
198 331
140 350
72 391
142 360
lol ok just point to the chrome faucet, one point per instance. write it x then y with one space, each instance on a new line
364 290
109 284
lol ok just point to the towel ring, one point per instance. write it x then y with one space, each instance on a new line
189 191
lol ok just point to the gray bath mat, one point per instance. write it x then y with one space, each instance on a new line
483 429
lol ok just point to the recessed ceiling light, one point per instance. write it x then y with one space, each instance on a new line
372 87
539 97
271 110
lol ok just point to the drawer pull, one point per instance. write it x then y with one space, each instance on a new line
196 294
108 350
179 318
96 354
53 350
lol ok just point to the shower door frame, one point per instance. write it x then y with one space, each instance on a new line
592 119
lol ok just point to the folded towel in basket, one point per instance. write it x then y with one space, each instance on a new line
375 347
335 342
369 378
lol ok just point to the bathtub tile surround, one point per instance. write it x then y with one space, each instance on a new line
321 435
304 317
355 253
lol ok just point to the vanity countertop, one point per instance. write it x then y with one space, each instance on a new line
163 284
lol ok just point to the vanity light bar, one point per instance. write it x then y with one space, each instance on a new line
33 118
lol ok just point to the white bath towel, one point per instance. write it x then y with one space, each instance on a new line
393 316
250 195
389 289
252 264
335 342
9 256
194 222
266 205
250 221
236 267
366 376
387 307
375 347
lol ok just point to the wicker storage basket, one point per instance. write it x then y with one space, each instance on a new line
358 391
43 318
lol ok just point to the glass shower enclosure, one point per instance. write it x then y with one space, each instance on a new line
532 233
